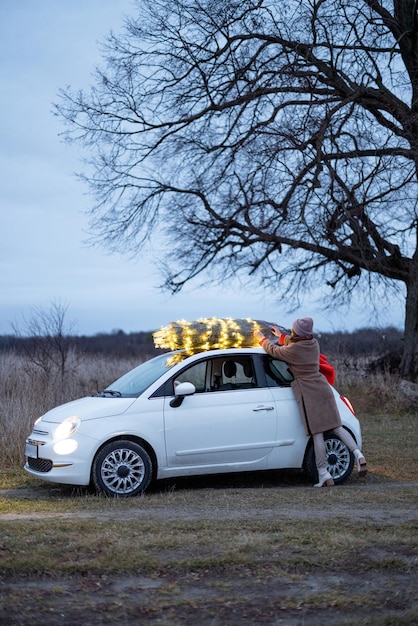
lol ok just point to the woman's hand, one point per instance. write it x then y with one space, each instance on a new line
258 334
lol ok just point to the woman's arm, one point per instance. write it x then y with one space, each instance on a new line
278 352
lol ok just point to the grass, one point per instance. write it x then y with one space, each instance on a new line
228 554
96 547
221 563
261 548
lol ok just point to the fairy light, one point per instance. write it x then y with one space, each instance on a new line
209 334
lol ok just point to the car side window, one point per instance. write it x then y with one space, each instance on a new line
277 373
195 374
214 374
232 373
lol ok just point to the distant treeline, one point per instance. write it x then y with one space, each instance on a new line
118 344
362 342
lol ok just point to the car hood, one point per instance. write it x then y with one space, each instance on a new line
88 409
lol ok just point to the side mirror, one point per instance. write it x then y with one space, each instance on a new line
182 390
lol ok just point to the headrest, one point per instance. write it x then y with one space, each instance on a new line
248 370
230 369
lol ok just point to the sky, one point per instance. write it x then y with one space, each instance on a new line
47 45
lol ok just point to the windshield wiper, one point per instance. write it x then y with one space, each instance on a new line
110 392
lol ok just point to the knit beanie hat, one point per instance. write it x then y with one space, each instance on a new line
303 326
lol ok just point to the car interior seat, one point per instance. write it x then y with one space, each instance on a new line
229 371
248 370
248 373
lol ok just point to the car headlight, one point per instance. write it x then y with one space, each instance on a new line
67 427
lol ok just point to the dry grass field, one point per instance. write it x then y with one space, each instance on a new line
253 549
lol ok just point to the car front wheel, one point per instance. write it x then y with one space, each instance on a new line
122 469
339 458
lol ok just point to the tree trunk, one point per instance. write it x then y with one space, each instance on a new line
409 366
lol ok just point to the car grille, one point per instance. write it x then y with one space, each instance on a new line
35 442
40 465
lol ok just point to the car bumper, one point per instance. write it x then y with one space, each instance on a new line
68 461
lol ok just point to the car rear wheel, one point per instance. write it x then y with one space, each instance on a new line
122 469
339 458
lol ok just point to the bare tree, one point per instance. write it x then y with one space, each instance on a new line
48 338
275 138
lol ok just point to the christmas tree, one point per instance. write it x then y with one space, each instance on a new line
210 334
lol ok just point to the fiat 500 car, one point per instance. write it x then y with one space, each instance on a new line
219 411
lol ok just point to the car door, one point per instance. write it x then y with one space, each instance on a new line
291 436
230 421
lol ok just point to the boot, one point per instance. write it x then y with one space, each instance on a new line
325 478
361 462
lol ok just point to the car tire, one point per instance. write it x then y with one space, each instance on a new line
121 469
340 460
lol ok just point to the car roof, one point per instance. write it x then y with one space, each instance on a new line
222 352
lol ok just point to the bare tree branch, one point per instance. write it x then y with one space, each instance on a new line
267 138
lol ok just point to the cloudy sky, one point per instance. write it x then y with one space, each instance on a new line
47 45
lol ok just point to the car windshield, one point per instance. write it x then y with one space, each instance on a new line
136 381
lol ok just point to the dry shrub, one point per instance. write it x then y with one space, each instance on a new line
378 392
26 393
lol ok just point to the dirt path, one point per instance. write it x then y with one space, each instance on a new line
358 508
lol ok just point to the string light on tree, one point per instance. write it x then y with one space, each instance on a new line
210 333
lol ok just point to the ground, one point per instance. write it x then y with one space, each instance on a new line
292 582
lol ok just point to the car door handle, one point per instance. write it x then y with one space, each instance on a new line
264 408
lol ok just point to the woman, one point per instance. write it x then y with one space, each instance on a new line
314 395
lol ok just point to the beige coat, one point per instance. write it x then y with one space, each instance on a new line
312 391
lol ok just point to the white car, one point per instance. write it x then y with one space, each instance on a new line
218 411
